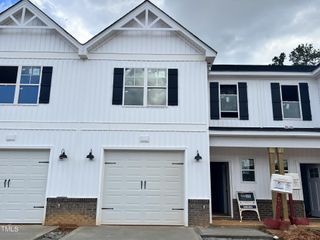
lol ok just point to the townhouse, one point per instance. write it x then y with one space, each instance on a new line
138 126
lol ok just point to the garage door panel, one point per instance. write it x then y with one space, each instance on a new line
151 205
28 180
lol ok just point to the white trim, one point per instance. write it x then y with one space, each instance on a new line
260 74
209 53
230 162
104 56
250 170
39 55
139 148
145 88
299 101
25 4
18 84
220 102
26 27
265 134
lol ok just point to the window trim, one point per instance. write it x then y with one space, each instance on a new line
251 170
145 89
220 102
282 102
18 85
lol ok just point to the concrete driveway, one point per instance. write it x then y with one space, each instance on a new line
132 233
23 232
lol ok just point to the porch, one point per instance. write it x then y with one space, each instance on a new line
247 169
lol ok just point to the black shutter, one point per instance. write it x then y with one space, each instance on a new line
173 87
117 86
243 101
214 100
276 101
305 101
45 85
8 74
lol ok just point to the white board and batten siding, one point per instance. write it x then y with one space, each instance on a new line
260 102
143 42
23 184
143 187
81 117
33 41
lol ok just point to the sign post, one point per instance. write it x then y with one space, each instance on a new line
247 202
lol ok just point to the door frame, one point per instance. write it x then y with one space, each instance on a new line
35 148
139 148
306 167
229 179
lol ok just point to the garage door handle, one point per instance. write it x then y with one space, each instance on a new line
141 182
145 184
5 183
9 183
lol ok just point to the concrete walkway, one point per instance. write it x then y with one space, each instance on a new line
23 232
232 233
133 233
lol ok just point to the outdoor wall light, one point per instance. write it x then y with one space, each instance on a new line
63 155
198 157
90 155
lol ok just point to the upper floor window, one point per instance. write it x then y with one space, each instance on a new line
134 86
229 101
145 87
290 101
25 85
157 87
29 85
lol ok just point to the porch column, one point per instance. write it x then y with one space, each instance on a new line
280 156
272 166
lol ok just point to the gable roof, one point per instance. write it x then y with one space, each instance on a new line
45 21
49 23
116 26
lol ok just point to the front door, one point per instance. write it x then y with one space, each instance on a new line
313 175
220 190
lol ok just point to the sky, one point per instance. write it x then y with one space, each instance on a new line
242 31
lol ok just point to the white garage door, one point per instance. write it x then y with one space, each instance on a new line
143 187
23 179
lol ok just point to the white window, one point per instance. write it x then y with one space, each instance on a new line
145 87
29 85
290 101
24 89
248 170
134 86
229 101
157 87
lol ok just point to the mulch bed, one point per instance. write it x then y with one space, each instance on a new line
297 233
